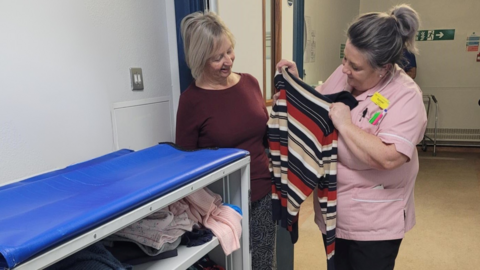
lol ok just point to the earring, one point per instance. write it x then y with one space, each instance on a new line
380 75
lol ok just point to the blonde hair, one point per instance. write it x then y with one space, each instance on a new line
201 33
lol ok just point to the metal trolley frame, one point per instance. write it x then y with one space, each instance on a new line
427 99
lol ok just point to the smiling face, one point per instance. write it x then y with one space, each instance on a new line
361 76
219 65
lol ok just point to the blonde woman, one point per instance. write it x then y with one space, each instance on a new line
222 108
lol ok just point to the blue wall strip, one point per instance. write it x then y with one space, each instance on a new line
298 34
182 9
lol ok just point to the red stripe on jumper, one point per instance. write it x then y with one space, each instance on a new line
299 184
306 121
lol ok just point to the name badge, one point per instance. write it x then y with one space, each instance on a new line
380 100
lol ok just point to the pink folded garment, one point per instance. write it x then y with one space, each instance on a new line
224 222
157 229
182 206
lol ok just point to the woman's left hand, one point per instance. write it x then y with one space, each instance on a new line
340 115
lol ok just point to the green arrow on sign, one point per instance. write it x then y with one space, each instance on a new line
446 34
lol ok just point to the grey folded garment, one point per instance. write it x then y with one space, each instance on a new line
94 257
126 250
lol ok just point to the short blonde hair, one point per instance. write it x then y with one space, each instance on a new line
201 33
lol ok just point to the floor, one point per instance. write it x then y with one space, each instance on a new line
447 233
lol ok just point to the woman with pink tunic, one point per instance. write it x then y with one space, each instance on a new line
377 156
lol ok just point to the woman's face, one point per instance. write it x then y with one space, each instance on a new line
361 76
219 66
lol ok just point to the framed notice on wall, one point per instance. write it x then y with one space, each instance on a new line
310 46
472 43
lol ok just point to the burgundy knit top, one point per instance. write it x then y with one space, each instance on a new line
235 117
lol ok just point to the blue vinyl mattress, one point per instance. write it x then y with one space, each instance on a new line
40 212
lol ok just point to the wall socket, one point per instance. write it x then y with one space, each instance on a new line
137 79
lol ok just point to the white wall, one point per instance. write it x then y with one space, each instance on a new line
244 19
63 66
445 69
248 33
287 30
329 20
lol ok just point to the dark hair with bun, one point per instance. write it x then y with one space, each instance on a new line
383 37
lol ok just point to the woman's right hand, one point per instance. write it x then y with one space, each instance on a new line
275 98
292 67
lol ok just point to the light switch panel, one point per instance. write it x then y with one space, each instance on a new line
137 78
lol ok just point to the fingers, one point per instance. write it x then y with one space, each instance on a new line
274 101
330 110
275 97
292 67
284 62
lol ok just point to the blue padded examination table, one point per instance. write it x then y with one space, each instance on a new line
43 211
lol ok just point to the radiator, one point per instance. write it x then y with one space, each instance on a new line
455 136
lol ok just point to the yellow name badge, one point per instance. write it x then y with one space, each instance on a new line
380 100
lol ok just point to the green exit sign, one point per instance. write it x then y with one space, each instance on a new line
432 35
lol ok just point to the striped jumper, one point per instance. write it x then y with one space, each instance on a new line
303 154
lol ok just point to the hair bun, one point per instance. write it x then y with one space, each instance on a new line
408 23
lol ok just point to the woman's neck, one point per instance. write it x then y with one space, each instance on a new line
355 92
381 84
213 84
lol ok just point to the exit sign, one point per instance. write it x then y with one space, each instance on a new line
432 35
